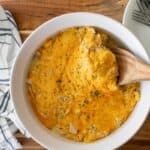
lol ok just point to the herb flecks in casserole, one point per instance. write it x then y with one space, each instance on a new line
72 84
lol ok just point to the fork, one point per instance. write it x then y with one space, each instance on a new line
145 4
143 15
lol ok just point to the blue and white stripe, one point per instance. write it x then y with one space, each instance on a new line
9 46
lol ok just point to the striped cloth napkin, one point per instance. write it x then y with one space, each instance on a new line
9 47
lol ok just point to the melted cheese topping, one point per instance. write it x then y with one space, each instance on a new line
72 85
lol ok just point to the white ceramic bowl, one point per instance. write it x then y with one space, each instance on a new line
37 131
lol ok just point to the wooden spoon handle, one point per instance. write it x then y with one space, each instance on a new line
131 68
143 71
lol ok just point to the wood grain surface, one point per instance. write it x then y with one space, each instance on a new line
31 13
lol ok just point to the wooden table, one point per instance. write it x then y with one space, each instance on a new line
31 13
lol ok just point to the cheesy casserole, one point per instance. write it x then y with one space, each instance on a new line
72 85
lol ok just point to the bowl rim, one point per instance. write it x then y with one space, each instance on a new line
116 145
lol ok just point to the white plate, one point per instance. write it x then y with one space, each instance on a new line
141 31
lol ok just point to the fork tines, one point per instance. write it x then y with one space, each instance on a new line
143 14
141 17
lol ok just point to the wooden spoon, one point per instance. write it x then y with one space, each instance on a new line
131 68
